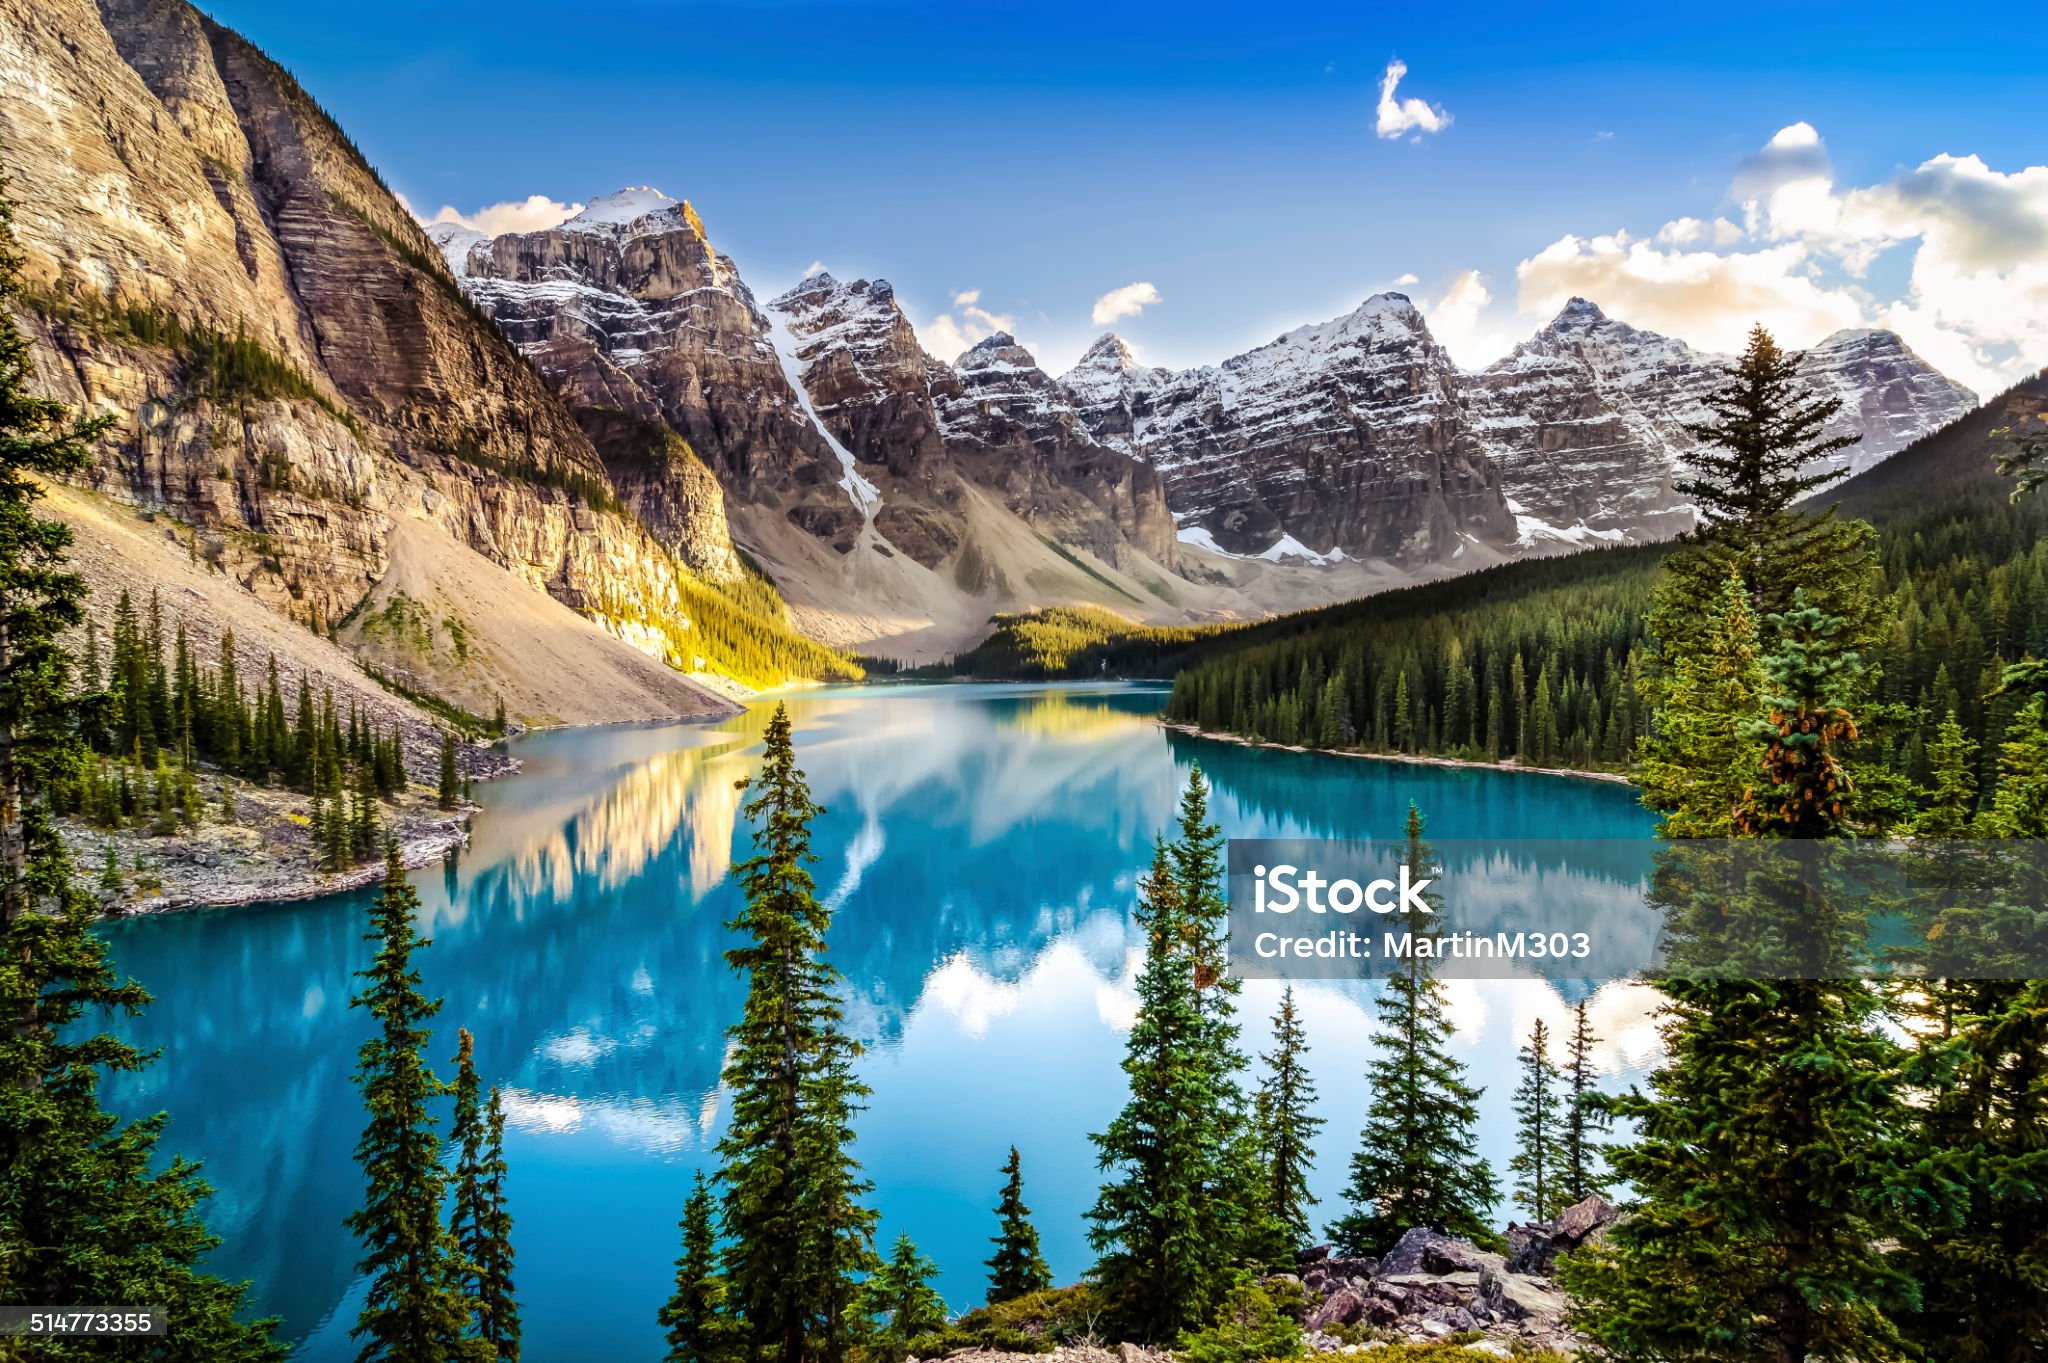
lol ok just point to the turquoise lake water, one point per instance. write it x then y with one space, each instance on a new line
979 847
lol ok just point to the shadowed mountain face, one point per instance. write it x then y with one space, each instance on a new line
292 369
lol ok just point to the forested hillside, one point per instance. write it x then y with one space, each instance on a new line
1540 661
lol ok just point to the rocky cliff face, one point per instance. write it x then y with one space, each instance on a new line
1588 418
1012 426
291 364
1359 435
1346 439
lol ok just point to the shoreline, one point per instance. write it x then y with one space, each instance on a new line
1413 759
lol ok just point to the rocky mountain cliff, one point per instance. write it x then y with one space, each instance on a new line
1341 440
1359 437
292 367
869 478
1587 419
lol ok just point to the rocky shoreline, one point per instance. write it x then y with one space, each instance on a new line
1414 759
267 853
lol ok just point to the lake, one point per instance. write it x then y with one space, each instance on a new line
980 848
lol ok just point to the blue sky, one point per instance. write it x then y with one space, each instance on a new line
1044 155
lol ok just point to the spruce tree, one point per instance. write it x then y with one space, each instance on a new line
1535 1164
1284 1120
1976 1217
1170 1223
798 1238
450 788
1579 1173
1418 1160
694 1320
89 1212
415 1310
1762 1146
1016 1268
1701 759
480 1222
900 1294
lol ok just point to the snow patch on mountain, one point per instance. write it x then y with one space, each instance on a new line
621 208
864 494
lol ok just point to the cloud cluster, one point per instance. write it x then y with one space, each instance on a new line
1401 117
1128 301
1975 244
951 333
534 213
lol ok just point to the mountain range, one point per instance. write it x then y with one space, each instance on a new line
602 420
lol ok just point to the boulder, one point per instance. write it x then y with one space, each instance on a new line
1581 1219
1342 1307
1534 1248
1313 1255
1513 1296
1425 1251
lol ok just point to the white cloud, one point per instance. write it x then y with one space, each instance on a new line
1975 299
1705 297
1128 301
816 267
1460 323
951 333
1400 116
534 213
1403 281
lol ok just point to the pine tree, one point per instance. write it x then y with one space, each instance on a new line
694 1318
450 783
1763 1139
89 1213
1171 1221
1016 1268
1285 1126
1579 1174
1418 1160
1537 1122
798 1237
480 1223
415 1310
1948 804
1976 1218
1701 759
900 1293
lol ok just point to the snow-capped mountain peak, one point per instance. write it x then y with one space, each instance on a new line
455 241
622 207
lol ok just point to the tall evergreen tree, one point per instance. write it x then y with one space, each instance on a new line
694 1320
1285 1126
1418 1160
480 1223
1017 1267
89 1213
1976 1223
1538 1123
1169 1224
1579 1173
415 1311
1762 1146
451 784
798 1238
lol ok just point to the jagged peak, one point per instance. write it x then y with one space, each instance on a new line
998 350
821 289
623 207
1109 351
